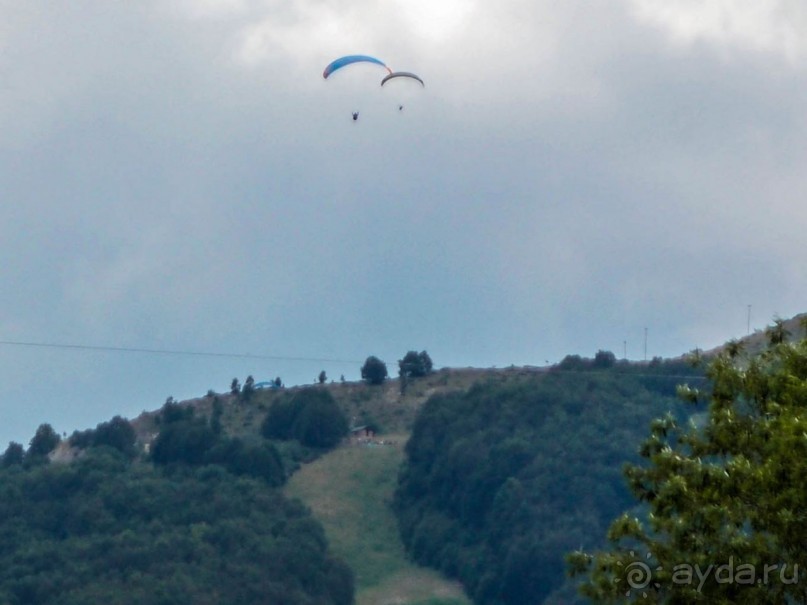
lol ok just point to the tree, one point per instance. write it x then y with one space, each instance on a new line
217 411
261 460
322 377
44 441
117 433
320 423
426 362
188 441
13 455
281 417
310 416
248 390
727 496
183 437
777 333
235 387
374 371
414 365
604 360
173 411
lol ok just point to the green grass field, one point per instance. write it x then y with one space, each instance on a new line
349 491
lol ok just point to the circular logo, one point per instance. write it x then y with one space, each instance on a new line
638 576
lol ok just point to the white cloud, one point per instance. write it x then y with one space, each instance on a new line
209 9
770 26
435 22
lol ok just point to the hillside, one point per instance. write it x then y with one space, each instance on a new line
795 329
349 490
389 407
582 414
385 406
501 481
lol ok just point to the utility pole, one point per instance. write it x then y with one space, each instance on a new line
624 349
645 344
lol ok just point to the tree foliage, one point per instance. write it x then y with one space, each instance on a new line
374 371
500 482
415 365
116 433
186 439
248 390
321 423
311 416
14 454
279 421
43 442
106 529
727 494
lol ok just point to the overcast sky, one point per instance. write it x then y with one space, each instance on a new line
177 175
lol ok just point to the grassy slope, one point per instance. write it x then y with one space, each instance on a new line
349 492
385 405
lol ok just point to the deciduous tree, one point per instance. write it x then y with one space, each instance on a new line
44 441
415 364
725 495
374 371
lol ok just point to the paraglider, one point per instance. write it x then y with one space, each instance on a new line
401 74
341 62
347 60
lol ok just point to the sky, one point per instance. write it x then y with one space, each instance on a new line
185 200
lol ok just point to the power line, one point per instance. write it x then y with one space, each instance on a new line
188 353
175 352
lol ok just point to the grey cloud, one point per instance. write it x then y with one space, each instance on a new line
185 179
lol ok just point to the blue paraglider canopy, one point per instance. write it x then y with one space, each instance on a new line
349 60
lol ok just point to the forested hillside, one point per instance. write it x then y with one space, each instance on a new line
184 504
502 481
506 470
199 520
